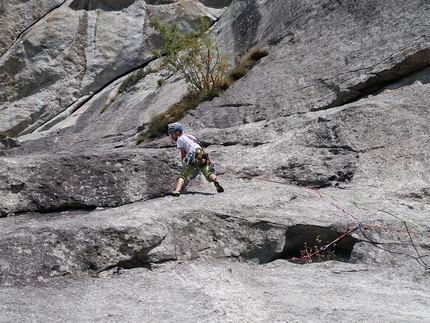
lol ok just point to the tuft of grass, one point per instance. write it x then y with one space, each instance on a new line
107 104
253 56
246 63
4 134
104 107
160 82
234 75
132 79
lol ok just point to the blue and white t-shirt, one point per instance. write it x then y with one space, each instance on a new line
188 142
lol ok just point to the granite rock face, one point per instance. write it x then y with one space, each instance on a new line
325 142
73 49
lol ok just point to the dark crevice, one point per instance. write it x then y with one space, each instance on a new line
216 4
87 5
235 105
71 207
300 237
229 143
16 188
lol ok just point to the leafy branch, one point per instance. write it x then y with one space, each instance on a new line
193 54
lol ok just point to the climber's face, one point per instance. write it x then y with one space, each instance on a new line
175 135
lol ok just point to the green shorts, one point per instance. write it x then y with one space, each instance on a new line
187 170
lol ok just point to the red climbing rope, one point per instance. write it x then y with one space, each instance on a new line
332 202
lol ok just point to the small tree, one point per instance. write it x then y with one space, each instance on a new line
194 54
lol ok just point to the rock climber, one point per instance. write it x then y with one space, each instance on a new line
192 156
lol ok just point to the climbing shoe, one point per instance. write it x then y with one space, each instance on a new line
218 187
175 193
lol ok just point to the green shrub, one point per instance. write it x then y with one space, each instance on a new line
193 54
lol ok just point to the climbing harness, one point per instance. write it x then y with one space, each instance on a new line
198 155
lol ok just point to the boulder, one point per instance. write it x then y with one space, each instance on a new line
45 183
